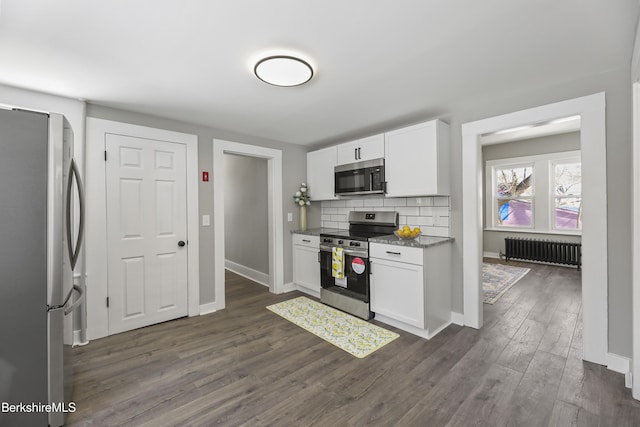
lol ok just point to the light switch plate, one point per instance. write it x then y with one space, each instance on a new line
289 216
206 220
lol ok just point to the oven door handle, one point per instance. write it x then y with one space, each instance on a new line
361 254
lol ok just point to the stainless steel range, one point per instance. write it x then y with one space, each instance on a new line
351 292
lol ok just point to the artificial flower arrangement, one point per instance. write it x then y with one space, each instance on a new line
301 197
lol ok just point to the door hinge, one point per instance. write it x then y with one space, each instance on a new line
105 155
107 302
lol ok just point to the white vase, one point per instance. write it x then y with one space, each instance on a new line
303 218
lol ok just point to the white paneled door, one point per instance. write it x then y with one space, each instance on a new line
146 231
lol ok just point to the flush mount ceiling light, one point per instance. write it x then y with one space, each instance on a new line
283 70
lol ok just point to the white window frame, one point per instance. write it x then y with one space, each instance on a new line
494 197
543 199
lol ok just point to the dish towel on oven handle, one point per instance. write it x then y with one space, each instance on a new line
337 263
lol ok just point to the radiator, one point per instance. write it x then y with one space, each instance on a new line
550 251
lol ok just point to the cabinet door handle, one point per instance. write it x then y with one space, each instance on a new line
359 156
355 154
393 253
306 241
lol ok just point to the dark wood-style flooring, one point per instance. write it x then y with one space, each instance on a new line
247 366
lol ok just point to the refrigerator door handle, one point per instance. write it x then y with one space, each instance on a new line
78 300
66 300
74 253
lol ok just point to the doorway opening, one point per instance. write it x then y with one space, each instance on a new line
532 191
591 110
274 214
246 226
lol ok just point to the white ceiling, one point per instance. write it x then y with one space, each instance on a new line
378 62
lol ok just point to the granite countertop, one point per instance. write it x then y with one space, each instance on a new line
420 242
315 231
391 239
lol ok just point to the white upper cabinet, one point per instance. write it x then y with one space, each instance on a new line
417 160
368 148
320 173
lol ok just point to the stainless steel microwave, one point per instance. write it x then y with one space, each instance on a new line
366 177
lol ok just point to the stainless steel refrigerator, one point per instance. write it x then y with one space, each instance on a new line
39 247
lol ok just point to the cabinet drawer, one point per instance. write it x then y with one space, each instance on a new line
396 253
306 240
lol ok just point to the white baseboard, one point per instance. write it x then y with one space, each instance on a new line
308 291
249 273
621 365
457 318
401 325
77 339
208 308
491 255
288 287
423 333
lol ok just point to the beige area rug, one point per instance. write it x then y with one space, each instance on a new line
498 279
353 335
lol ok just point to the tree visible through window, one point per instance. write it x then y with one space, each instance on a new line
514 192
538 193
567 204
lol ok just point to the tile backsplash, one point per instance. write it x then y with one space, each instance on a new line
431 214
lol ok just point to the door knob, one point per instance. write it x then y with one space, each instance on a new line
181 243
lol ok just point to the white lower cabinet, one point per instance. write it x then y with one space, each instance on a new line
306 268
397 291
411 287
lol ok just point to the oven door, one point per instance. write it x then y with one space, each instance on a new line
356 273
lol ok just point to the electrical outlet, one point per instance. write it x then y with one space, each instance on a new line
418 200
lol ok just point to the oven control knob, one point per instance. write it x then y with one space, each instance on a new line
354 244
340 242
327 241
